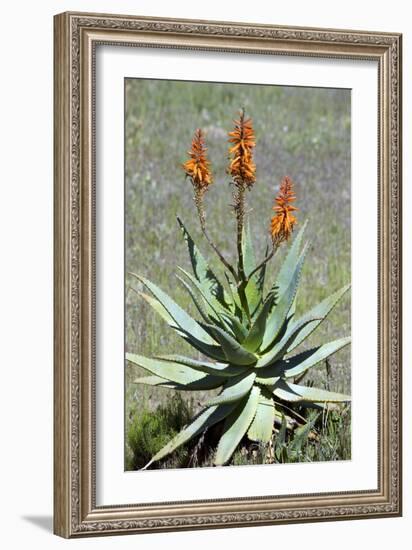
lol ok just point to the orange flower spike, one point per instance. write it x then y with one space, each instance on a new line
242 168
198 166
284 220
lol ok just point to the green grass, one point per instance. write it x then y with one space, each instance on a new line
301 132
148 431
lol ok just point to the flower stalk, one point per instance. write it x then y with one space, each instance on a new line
197 168
243 172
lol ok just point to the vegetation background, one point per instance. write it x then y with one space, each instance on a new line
300 132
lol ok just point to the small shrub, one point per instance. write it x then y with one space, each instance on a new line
150 430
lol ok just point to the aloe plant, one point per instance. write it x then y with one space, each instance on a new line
245 338
252 361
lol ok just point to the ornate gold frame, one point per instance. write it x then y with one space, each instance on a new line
75 38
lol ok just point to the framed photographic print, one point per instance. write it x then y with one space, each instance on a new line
227 274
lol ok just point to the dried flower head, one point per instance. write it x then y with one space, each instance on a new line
283 221
242 168
197 168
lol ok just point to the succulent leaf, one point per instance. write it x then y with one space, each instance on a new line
203 420
154 381
267 379
235 298
206 383
238 330
210 350
254 288
255 335
215 313
197 303
289 264
279 313
262 425
234 389
316 315
185 325
179 315
235 353
295 393
236 425
287 334
210 283
160 310
217 369
212 305
223 320
174 372
298 364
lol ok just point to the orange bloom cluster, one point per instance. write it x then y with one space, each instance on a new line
283 221
242 168
198 167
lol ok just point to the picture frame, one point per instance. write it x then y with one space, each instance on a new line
76 39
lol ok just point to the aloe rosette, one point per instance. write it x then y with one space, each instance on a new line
246 341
